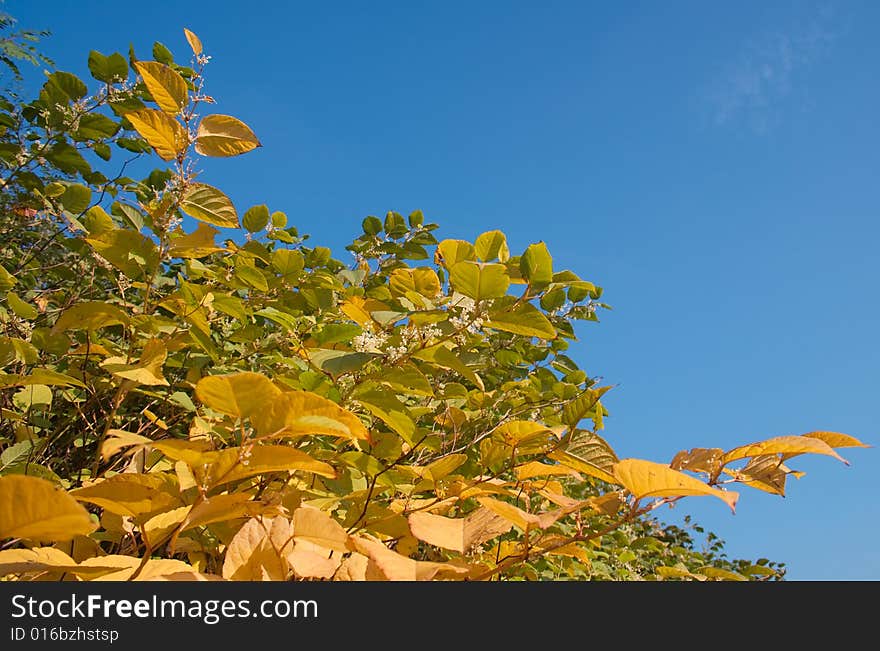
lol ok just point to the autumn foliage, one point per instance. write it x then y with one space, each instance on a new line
193 393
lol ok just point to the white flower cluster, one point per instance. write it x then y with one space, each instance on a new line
468 320
369 342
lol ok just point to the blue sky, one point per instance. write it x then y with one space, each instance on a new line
713 166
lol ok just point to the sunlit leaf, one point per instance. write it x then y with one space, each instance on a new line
296 413
166 86
242 395
161 131
224 135
648 479
786 445
35 509
210 205
458 534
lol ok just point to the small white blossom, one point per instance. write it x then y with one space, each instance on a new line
368 342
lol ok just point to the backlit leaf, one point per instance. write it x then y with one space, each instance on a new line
166 86
242 395
648 479
208 204
224 135
161 131
786 445
296 413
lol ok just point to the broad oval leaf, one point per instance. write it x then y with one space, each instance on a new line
788 445
36 509
295 413
479 280
525 319
650 479
242 395
161 131
166 86
224 135
90 315
208 204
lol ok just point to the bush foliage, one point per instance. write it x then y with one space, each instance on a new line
193 392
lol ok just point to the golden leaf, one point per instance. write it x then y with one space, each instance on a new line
788 445
649 479
458 534
295 413
161 131
36 509
166 86
224 135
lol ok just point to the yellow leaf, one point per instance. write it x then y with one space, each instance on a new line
216 467
252 554
699 460
208 204
787 445
517 516
720 574
310 561
295 413
440 468
118 439
458 534
39 559
131 494
649 479
224 135
147 371
35 509
538 469
166 86
158 528
836 439
161 131
221 508
194 42
314 526
197 244
90 315
396 567
354 568
242 395
585 467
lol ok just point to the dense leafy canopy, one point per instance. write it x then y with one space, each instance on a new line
179 400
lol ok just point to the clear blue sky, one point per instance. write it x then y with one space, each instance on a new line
713 165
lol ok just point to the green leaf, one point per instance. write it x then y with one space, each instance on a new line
224 135
525 319
492 245
162 54
7 280
451 252
209 205
33 396
22 310
67 159
279 219
76 198
166 86
109 69
387 408
479 280
337 362
256 218
536 265
68 84
289 263
372 225
94 126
